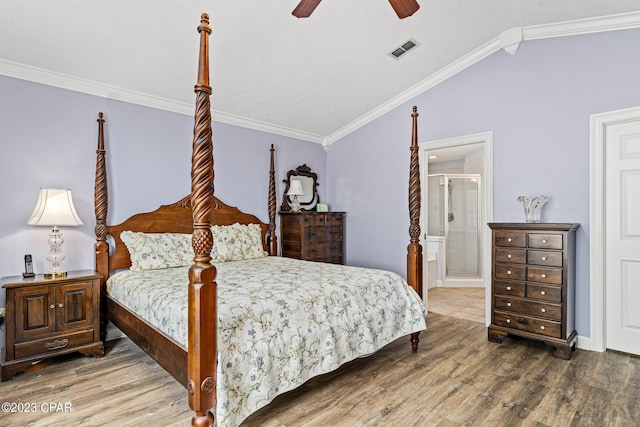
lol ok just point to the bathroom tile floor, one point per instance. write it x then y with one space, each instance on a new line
460 303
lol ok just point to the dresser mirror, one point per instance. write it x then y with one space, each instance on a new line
309 183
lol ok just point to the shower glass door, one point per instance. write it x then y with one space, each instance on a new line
462 224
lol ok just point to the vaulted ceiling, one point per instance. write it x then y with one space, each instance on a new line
314 79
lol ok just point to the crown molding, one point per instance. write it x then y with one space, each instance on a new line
232 119
507 41
622 21
65 81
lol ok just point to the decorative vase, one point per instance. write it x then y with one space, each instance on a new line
533 206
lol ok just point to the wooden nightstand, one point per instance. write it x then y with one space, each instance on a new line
50 317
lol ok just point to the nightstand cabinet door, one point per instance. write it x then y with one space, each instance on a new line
35 311
74 304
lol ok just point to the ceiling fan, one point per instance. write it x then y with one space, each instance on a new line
403 8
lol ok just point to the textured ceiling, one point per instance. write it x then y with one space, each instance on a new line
306 77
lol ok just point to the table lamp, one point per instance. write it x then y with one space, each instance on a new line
55 208
295 190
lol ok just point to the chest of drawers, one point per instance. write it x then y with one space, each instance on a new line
533 284
313 236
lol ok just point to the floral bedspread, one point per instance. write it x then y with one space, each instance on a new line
280 321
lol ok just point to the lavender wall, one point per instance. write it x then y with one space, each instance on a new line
49 136
537 103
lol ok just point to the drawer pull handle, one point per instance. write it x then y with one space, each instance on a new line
508 304
52 306
544 258
509 256
508 320
509 239
542 327
543 310
508 271
60 305
508 288
543 275
54 345
544 240
543 293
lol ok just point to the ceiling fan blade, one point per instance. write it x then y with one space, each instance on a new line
305 8
404 8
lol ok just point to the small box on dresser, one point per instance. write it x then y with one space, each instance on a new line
313 236
533 283
50 317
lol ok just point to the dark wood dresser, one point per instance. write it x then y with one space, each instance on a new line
533 284
313 236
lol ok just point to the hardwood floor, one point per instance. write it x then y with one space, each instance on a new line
461 303
457 378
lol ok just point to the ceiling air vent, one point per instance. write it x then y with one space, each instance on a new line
404 48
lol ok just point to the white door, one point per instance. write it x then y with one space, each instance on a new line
622 231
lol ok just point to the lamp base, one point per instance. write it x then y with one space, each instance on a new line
295 204
55 275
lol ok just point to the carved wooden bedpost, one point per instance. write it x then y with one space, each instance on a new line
202 352
101 207
273 237
414 250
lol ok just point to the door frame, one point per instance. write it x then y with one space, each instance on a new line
487 196
598 123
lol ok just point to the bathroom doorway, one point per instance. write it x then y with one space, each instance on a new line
457 176
454 228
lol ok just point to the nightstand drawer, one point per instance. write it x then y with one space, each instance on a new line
52 344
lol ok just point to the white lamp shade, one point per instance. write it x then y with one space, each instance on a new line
295 188
54 208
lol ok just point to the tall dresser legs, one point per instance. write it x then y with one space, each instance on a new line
495 336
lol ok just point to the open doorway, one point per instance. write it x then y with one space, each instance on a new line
457 176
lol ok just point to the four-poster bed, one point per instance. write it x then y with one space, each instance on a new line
240 310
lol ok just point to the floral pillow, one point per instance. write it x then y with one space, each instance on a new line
152 251
236 242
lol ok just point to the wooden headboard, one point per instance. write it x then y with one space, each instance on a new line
176 218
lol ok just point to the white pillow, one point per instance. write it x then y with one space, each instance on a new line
236 242
152 251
